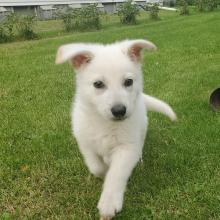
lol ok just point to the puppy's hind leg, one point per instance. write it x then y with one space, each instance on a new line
94 163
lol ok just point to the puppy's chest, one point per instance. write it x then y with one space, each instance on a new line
107 139
103 138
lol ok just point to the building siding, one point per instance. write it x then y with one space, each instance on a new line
41 2
54 2
33 7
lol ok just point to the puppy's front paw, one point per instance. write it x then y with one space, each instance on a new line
109 204
104 218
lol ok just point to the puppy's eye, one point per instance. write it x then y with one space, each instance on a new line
128 82
98 84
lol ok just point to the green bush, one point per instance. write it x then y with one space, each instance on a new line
184 10
14 26
87 18
9 24
128 12
211 5
3 35
169 3
154 11
172 3
206 5
189 2
200 5
67 20
25 27
7 28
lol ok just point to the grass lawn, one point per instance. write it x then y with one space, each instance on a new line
42 174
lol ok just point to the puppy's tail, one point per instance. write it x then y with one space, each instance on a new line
154 104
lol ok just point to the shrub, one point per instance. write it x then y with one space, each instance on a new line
184 10
86 18
172 3
211 5
154 11
3 35
128 13
189 2
14 26
67 20
169 3
89 17
200 5
25 27
8 27
206 5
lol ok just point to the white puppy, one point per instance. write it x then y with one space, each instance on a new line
109 117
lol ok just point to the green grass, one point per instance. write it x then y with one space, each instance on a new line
42 174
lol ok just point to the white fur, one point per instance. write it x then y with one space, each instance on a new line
110 148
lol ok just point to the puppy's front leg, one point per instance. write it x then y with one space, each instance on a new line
122 163
96 166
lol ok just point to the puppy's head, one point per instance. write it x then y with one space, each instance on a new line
108 76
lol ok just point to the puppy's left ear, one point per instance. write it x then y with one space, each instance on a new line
133 48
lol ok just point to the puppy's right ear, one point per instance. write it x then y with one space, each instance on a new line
77 54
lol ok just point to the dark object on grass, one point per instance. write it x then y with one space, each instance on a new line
215 100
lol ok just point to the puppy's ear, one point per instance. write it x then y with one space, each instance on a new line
133 48
77 54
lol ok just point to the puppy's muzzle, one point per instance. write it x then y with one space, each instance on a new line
118 111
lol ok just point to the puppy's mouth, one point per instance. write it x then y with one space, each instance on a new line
119 118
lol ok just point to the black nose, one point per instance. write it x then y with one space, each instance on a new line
118 111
